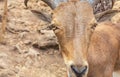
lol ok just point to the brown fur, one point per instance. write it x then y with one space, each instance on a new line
83 44
75 28
103 54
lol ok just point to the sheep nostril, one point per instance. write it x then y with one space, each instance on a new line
79 71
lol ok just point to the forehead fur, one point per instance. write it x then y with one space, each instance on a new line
72 15
81 10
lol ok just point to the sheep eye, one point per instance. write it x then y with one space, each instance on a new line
53 27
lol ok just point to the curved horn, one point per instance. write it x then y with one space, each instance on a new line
53 3
50 3
25 2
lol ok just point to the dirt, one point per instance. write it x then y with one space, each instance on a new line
28 49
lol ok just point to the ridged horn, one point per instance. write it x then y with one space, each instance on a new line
53 3
25 2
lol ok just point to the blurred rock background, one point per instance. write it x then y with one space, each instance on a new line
30 49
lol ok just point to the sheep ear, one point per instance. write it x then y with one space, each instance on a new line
44 16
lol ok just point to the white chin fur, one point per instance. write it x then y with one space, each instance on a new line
116 74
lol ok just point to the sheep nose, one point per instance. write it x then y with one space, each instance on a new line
79 71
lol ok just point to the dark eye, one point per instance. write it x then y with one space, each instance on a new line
53 27
93 26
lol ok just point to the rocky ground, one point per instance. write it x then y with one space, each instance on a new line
28 50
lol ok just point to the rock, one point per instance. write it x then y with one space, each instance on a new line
46 41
